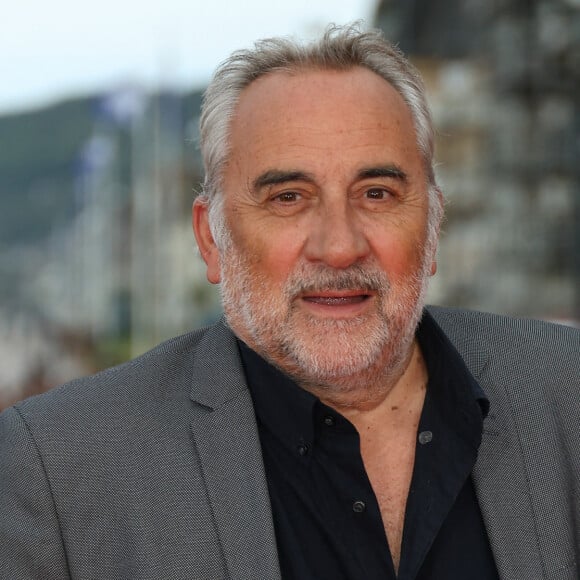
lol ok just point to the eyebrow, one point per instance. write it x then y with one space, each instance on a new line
393 171
276 177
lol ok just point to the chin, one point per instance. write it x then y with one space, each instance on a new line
339 351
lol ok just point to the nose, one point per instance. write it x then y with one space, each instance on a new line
336 237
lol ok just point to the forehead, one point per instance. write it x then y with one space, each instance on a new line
321 114
311 90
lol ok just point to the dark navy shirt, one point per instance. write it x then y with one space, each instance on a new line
326 516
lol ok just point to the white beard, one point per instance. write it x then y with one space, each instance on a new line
328 353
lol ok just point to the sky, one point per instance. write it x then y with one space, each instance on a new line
63 48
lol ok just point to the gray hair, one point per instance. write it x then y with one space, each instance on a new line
340 48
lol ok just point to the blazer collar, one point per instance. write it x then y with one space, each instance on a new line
218 376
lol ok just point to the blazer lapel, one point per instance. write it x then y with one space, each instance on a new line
501 486
226 437
499 475
522 476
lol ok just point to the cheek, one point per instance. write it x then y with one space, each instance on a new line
271 256
278 263
400 255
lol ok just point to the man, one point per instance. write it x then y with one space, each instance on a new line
329 427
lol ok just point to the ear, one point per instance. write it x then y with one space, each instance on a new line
205 242
441 202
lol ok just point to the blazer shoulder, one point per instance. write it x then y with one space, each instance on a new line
162 374
531 356
497 329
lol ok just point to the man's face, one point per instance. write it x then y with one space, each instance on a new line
326 204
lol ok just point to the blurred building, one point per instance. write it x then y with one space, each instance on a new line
126 264
504 83
119 271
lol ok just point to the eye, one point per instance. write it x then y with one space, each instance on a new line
377 193
287 197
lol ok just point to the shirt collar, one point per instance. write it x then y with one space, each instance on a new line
457 388
284 408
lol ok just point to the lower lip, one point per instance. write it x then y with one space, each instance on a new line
337 307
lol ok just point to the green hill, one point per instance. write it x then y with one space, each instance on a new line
37 154
40 154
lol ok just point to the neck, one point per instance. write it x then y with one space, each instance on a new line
379 386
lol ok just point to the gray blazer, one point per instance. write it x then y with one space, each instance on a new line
153 470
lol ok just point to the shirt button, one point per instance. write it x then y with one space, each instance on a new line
303 449
329 420
359 506
425 437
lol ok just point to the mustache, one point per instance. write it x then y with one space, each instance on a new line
325 279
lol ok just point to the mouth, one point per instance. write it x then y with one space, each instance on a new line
337 299
337 304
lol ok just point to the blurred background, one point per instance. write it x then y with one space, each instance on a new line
99 163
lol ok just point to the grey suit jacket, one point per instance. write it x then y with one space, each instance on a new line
153 470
